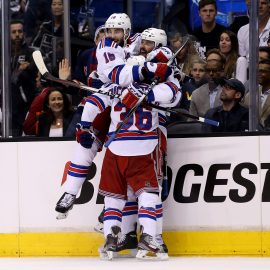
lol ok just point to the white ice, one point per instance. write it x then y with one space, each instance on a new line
179 263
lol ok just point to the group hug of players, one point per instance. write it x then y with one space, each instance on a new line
131 175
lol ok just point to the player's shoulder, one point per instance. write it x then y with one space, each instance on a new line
135 37
107 42
133 45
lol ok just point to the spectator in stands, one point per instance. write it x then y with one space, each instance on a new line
209 32
232 116
197 78
215 54
228 46
37 12
235 66
208 95
86 64
30 123
264 91
49 38
42 89
264 54
264 27
23 74
55 116
183 58
241 64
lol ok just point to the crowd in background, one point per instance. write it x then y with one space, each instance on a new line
213 55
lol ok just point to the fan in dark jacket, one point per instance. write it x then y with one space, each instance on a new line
232 116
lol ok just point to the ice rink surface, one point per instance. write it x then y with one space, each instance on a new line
179 263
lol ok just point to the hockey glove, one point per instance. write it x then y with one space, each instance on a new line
178 74
159 55
160 70
115 90
131 95
84 136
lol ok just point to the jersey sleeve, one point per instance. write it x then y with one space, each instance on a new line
125 74
94 105
167 93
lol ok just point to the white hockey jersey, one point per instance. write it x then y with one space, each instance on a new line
139 136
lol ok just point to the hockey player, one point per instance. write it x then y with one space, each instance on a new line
152 39
122 74
109 54
129 160
107 49
111 66
118 72
84 154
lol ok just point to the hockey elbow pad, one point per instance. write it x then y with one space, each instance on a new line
131 95
85 137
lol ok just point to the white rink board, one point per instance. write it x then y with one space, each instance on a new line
206 153
31 174
265 159
43 176
9 188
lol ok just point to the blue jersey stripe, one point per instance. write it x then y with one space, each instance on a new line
135 73
79 175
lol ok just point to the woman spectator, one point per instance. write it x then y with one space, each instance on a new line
228 45
55 116
49 38
184 57
52 27
235 67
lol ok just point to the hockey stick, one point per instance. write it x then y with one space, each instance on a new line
38 59
132 110
181 113
37 56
